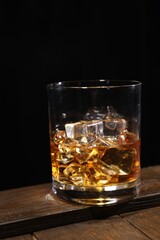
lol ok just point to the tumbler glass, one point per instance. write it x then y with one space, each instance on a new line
94 130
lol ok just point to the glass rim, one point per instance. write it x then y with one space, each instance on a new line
95 83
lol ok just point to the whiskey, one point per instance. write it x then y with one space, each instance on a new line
101 162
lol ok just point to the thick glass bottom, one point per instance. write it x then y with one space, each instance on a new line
98 196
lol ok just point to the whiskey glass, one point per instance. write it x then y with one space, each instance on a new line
94 131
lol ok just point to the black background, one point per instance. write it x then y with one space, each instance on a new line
43 41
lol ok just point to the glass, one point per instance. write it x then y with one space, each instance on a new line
94 129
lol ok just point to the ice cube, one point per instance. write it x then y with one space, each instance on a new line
94 114
58 136
75 173
107 141
114 123
108 169
84 131
66 150
121 158
96 176
114 126
84 154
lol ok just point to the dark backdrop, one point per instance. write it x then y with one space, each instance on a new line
43 41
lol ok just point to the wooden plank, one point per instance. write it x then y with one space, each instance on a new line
147 221
33 208
111 228
150 180
32 202
22 237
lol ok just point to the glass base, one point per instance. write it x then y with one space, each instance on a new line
98 196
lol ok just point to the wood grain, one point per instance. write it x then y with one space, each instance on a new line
111 228
147 221
23 237
33 208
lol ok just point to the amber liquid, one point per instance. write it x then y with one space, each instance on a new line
95 164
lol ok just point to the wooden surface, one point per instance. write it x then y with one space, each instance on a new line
35 213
